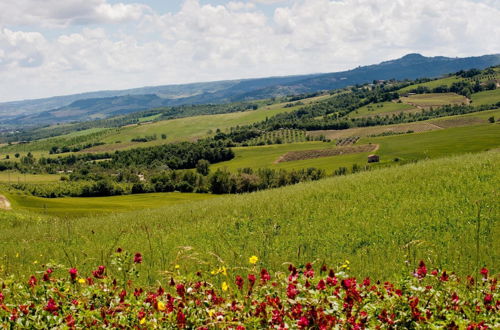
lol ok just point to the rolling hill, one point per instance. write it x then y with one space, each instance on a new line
105 104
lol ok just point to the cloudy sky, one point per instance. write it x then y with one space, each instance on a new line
57 47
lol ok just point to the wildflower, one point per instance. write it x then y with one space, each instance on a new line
2 297
444 277
46 275
161 306
181 290
32 281
303 322
177 266
73 273
251 279
321 285
81 281
291 291
138 258
253 260
181 319
421 271
239 282
488 299
70 321
309 271
51 306
119 250
264 275
99 273
225 287
484 272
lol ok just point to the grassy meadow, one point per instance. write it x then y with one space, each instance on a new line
434 99
430 210
72 207
486 97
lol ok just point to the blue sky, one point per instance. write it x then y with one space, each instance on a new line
55 47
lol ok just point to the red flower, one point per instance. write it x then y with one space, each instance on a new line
421 270
484 272
264 275
251 279
444 277
321 285
239 282
70 321
309 271
32 281
181 290
51 306
73 273
46 275
181 319
488 299
366 281
138 258
291 291
99 273
303 322
2 297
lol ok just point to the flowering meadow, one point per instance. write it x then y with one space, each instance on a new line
310 296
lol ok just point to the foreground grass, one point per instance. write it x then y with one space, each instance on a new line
377 220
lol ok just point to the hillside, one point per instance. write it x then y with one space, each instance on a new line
375 219
105 104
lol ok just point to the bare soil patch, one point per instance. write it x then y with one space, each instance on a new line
4 203
459 122
311 154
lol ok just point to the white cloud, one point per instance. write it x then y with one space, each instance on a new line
211 42
62 13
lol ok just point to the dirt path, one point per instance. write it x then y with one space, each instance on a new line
4 203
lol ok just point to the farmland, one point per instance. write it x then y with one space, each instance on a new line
434 99
382 108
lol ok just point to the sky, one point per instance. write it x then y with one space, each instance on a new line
59 47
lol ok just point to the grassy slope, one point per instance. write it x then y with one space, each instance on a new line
434 99
15 177
427 210
433 84
432 144
486 97
79 207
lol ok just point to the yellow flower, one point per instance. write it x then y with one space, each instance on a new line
143 320
35 262
17 255
211 313
177 266
81 281
253 260
161 306
223 270
224 286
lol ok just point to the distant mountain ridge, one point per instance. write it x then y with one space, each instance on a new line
105 104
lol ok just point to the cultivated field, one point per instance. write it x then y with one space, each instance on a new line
434 99
383 108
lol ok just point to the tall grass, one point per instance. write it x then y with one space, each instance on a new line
377 220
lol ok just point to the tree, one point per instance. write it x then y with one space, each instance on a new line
203 167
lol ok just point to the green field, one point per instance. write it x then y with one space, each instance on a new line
382 108
77 207
433 84
16 177
432 144
375 219
486 97
434 99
